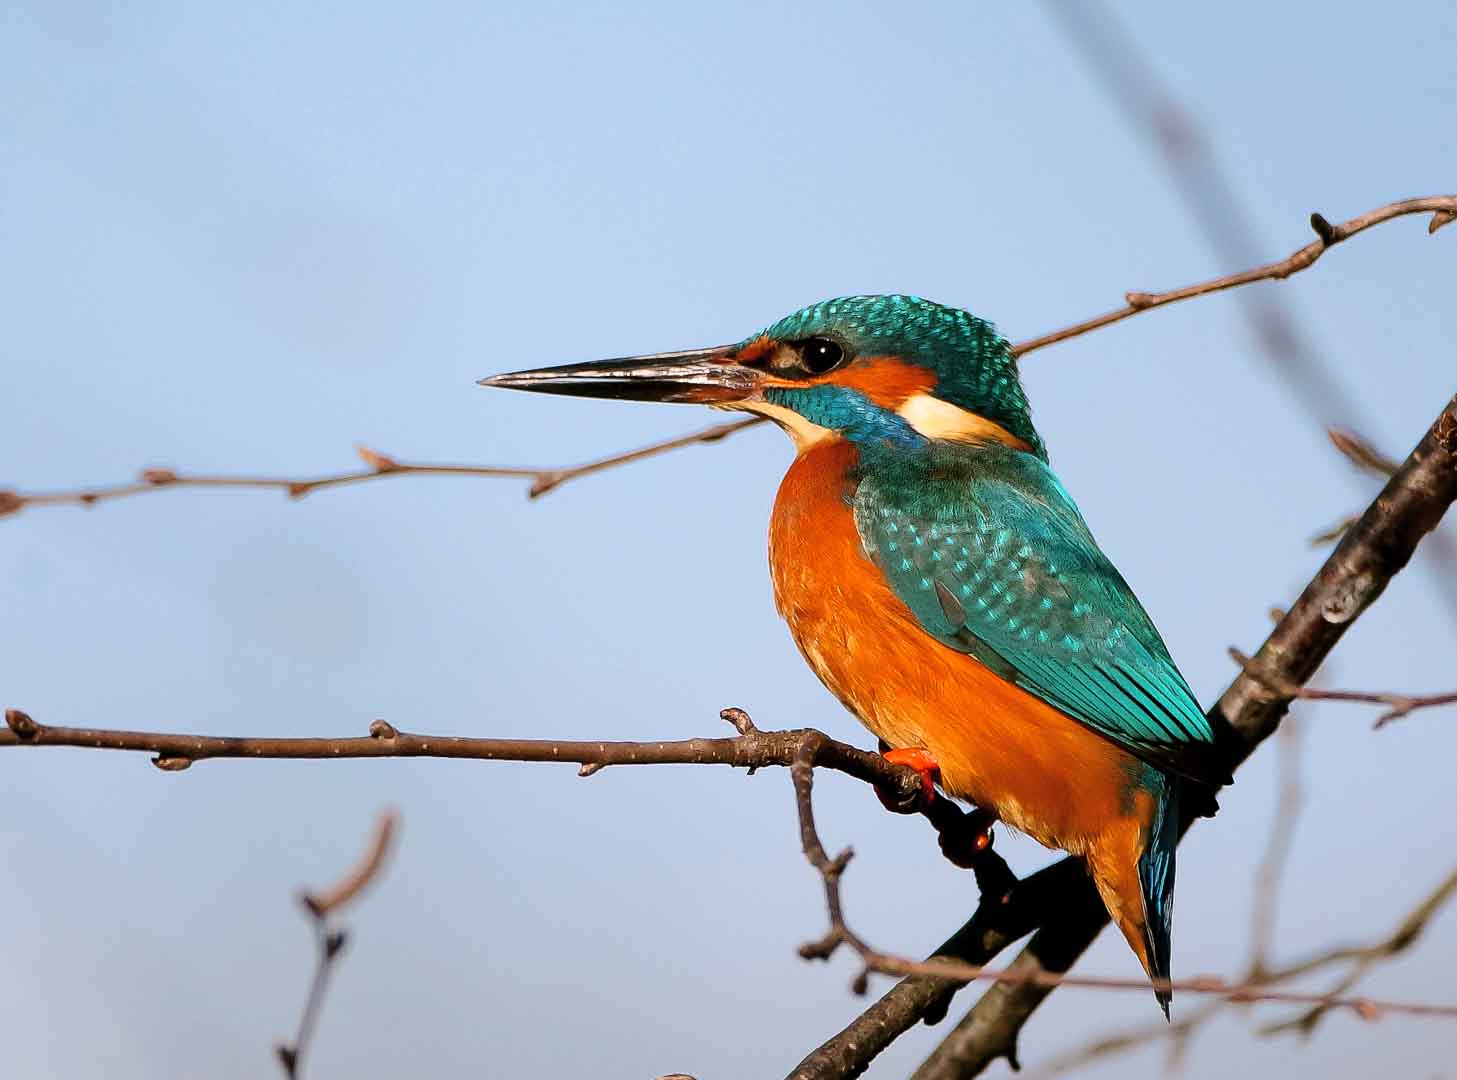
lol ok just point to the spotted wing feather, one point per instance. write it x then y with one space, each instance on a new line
991 555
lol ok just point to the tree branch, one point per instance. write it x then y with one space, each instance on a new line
1327 236
330 940
544 480
380 465
1398 705
1364 958
1354 575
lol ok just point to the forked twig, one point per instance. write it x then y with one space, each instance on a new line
330 939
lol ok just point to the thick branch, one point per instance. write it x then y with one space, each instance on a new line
1356 572
1373 551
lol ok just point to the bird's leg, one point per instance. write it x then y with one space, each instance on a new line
925 765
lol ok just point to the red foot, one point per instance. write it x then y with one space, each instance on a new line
923 763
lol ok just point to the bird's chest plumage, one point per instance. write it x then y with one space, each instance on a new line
997 745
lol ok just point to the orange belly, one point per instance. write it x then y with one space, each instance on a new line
998 746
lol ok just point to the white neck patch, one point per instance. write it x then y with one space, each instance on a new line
937 419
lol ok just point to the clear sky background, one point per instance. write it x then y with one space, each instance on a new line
247 237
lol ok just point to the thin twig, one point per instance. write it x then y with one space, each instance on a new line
1360 453
330 940
544 480
831 870
1363 959
1398 705
1327 236
379 465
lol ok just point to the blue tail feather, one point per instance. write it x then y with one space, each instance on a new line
1156 876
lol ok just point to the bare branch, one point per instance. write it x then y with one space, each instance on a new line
331 941
1328 236
379 466
544 480
1364 958
814 745
1398 705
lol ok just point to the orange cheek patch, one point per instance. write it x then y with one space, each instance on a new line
885 380
755 350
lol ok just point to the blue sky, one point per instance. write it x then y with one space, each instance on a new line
247 238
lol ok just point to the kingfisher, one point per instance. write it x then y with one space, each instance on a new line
941 582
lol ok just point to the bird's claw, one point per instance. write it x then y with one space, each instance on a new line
971 838
926 766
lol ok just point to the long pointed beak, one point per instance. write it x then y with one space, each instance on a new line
698 376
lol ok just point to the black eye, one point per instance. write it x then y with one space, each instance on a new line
820 355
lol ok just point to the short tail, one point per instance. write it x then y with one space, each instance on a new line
1156 882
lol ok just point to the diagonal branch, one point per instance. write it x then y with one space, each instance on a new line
1327 236
1354 575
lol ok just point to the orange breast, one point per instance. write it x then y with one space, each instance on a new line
998 746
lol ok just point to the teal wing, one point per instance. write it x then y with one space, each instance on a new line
991 555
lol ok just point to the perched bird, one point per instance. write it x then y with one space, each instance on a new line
943 585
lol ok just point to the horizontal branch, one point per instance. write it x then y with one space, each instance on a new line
379 465
1398 705
1441 207
750 749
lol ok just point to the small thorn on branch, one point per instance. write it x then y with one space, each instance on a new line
172 762
1440 218
1327 232
591 768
